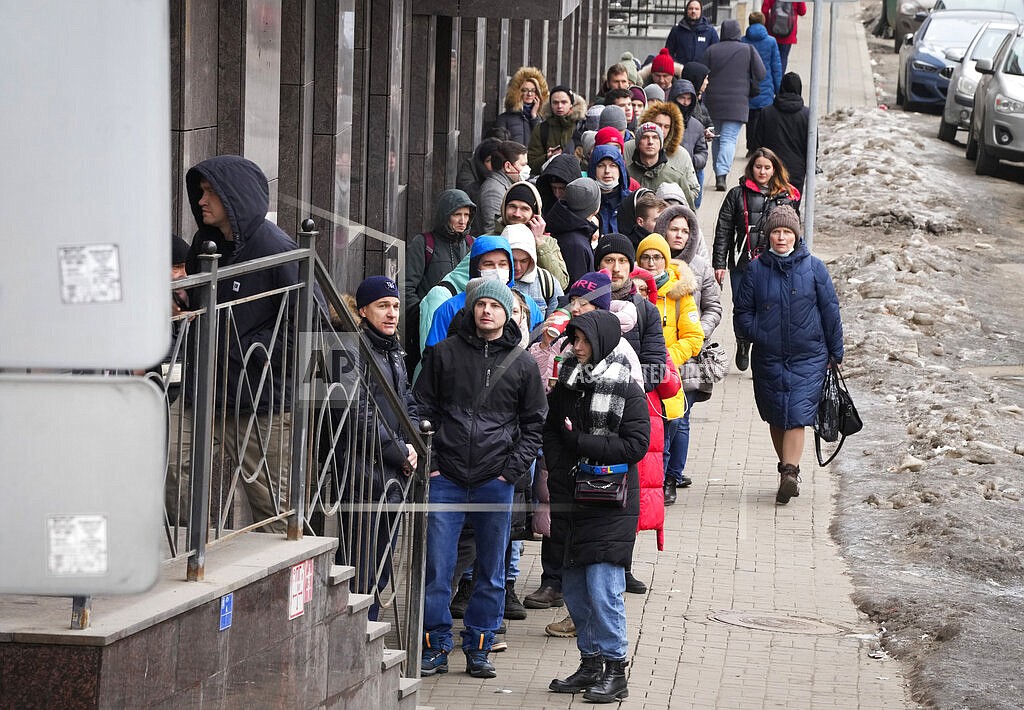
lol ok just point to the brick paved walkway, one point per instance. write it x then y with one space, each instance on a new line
729 548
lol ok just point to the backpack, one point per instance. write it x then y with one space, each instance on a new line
780 19
428 245
547 285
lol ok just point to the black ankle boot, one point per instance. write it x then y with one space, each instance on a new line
590 671
611 686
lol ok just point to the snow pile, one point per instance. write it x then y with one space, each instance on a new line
867 152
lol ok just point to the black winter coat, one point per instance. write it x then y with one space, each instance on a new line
519 127
647 338
594 534
244 191
573 234
783 128
486 403
744 209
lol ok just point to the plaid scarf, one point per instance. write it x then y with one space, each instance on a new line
608 382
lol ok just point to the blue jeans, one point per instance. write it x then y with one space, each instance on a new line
700 192
677 441
450 505
724 146
593 596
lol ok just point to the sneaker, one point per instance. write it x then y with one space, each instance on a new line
499 644
461 599
742 355
566 628
478 666
434 660
670 491
514 609
543 598
634 585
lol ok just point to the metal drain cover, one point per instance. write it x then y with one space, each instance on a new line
767 621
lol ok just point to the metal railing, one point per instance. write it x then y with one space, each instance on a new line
650 19
292 419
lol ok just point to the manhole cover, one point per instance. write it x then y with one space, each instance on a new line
766 621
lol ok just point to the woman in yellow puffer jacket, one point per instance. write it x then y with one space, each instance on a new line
684 338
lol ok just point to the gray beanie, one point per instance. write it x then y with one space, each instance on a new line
492 289
671 192
594 117
583 197
654 92
613 116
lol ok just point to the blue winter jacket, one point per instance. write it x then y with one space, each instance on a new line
788 308
768 48
610 201
687 44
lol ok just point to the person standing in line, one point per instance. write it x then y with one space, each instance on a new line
783 129
526 94
598 416
733 68
691 37
739 233
554 135
786 40
787 306
484 395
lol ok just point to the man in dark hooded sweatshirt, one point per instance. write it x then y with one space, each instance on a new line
783 129
430 256
229 196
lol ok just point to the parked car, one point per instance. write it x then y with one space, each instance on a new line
997 123
1013 6
963 79
905 16
919 81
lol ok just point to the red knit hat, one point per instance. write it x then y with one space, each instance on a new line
610 134
663 63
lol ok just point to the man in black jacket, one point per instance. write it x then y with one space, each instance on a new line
783 128
229 197
484 396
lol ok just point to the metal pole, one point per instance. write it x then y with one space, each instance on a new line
807 203
202 421
418 573
81 612
833 17
300 396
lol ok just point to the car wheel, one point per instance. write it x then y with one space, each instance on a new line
972 145
901 99
947 131
985 163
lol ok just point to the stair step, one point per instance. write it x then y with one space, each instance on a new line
359 602
392 658
376 630
408 686
339 574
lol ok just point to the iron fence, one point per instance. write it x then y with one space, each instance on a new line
650 19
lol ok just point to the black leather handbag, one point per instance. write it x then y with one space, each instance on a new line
837 417
601 485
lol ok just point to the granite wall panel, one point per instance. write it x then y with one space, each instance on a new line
66 677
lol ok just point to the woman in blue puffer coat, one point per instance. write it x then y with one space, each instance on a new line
787 306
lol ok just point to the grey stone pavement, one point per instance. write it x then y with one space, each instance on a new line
729 551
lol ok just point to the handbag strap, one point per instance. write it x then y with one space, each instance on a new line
817 449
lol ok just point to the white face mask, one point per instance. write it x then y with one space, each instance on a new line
499 275
524 174
607 185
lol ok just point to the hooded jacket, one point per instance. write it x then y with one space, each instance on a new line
561 168
696 239
688 43
738 231
537 282
487 404
768 49
696 73
594 534
548 256
513 119
689 128
441 317
783 129
449 249
788 308
707 294
610 201
559 132
678 170
572 233
732 65
243 189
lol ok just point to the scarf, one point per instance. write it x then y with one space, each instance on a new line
625 292
608 380
661 280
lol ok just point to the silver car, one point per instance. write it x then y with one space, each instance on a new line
963 77
997 123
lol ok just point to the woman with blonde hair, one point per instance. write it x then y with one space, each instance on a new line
526 94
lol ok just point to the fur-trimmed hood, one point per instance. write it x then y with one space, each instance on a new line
675 133
513 99
665 219
579 108
686 282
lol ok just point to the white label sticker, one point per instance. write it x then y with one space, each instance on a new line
296 590
90 273
77 544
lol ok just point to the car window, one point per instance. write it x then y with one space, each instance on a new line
1014 6
950 30
988 43
1015 58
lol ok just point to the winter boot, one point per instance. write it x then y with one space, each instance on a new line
634 585
588 674
461 599
566 628
789 477
611 686
720 182
670 490
742 355
514 609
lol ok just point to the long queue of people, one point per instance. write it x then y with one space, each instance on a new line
554 315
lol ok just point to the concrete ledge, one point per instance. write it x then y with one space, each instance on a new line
376 630
230 565
408 686
339 574
359 602
391 658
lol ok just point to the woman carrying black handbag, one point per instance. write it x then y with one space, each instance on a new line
788 308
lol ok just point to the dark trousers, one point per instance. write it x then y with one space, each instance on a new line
752 121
